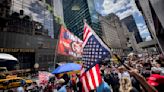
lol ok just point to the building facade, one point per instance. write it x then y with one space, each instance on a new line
152 11
132 27
58 8
113 33
132 45
27 33
74 19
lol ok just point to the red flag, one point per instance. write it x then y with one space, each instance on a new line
91 79
69 44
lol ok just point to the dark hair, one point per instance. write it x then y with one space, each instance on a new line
160 62
10 91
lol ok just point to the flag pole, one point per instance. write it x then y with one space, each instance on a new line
84 21
121 61
56 49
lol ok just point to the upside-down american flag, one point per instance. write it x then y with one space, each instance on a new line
94 51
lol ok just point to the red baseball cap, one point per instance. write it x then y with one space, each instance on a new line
153 83
155 79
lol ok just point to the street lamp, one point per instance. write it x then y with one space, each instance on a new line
36 66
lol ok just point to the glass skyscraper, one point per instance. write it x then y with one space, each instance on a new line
74 18
132 27
26 32
38 12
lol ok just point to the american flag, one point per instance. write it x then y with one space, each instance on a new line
94 51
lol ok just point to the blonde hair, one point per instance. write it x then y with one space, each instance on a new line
125 85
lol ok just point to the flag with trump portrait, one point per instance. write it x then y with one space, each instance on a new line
69 44
94 51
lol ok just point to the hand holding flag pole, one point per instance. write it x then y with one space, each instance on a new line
121 61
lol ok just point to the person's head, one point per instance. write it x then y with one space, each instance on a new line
10 91
121 69
161 57
34 83
130 56
147 66
159 63
61 81
155 70
125 84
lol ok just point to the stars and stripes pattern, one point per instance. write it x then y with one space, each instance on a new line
94 51
91 79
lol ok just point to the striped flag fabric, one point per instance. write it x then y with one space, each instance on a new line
94 51
91 79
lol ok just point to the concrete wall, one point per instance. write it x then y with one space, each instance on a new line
146 10
158 6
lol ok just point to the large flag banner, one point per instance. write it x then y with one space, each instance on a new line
69 44
94 51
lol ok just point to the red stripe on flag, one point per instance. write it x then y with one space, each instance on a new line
87 83
93 80
86 34
98 73
85 29
94 76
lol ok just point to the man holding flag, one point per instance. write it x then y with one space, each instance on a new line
94 51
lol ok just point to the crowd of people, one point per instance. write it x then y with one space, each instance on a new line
140 73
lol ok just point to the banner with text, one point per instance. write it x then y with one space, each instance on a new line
69 44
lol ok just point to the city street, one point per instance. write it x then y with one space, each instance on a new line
81 46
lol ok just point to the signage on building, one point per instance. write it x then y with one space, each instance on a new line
69 44
16 50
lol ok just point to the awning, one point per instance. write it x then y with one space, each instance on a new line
4 56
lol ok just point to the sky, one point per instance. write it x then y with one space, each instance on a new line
123 8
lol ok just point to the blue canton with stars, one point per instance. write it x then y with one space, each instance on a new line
94 52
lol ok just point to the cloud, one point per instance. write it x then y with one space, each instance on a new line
141 26
144 32
122 8
148 38
124 14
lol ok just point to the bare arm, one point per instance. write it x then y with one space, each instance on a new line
142 81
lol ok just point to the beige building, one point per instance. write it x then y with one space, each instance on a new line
113 33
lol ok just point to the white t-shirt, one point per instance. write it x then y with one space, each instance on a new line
124 74
20 89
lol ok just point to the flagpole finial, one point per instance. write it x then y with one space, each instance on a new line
84 20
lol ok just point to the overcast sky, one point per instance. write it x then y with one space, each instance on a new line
123 8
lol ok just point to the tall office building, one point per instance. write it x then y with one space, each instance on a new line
113 33
58 8
74 19
152 11
132 45
26 32
132 27
59 17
